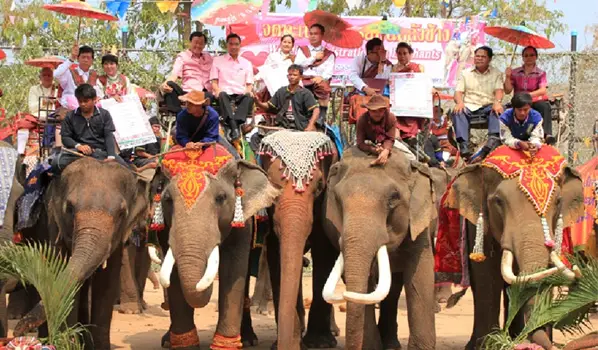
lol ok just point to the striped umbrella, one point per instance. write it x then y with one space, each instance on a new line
519 35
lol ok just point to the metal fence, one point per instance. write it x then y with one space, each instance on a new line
573 74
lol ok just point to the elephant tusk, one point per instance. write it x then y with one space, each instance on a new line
558 263
166 269
105 265
211 270
332 281
153 253
506 270
384 281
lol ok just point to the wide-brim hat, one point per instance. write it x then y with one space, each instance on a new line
194 97
376 102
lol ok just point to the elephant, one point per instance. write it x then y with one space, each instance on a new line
296 219
135 270
512 237
200 242
89 211
382 216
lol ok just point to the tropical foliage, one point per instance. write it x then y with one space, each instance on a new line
567 312
43 267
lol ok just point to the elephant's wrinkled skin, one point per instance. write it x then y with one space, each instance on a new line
511 225
193 235
91 209
373 210
297 217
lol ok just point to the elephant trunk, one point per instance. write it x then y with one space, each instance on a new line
91 249
293 221
383 286
196 272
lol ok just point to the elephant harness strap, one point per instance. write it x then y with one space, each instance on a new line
221 342
299 151
184 340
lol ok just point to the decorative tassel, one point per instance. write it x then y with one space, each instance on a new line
238 219
262 215
221 342
548 242
558 235
477 254
158 218
17 238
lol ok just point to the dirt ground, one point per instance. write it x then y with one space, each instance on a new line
144 331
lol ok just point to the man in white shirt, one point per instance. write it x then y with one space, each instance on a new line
70 75
45 90
367 66
318 65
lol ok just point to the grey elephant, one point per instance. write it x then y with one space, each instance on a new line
379 218
90 210
200 242
505 228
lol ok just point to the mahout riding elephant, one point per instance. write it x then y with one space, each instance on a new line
201 239
516 242
90 210
298 162
380 219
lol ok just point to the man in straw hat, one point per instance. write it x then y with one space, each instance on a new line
378 126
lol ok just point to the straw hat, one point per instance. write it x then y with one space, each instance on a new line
376 102
194 97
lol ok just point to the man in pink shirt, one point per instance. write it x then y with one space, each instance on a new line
232 82
193 68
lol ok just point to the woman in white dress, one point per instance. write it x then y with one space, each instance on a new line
284 56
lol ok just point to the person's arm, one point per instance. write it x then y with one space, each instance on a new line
327 67
509 81
67 133
100 90
460 94
537 135
109 138
182 134
177 69
362 124
273 105
312 106
543 86
249 79
212 128
355 72
302 60
60 73
33 100
130 86
507 137
390 132
214 80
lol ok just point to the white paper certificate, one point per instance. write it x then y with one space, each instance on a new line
131 122
411 95
274 75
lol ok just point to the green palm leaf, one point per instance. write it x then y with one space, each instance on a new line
43 267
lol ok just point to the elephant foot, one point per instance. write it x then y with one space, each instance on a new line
130 308
391 344
437 308
315 340
165 306
165 342
275 346
335 330
144 305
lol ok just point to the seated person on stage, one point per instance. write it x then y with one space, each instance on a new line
378 126
70 75
193 68
44 92
479 90
88 130
521 126
232 82
318 65
143 154
439 127
295 106
367 66
112 84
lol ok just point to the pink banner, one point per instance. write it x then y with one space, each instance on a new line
443 47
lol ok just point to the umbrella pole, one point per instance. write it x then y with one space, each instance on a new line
513 55
79 30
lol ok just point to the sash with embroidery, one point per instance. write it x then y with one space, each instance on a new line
371 72
119 88
307 54
78 79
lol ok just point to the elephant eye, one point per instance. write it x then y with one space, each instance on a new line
393 199
220 198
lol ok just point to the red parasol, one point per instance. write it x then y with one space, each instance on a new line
337 30
2 54
43 62
79 9
520 36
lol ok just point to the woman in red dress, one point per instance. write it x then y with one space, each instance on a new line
408 127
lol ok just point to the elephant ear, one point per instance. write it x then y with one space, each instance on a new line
140 205
572 197
260 193
332 217
466 193
421 204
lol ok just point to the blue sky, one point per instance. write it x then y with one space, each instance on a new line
579 14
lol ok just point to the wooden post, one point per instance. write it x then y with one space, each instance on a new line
572 91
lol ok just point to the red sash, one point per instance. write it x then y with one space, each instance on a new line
78 79
316 63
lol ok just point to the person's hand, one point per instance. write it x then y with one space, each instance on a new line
317 80
382 158
216 92
75 52
85 149
152 165
524 146
442 165
508 72
165 87
533 149
118 99
382 55
190 145
310 127
370 91
198 145
459 107
320 56
292 57
497 108
378 149
108 160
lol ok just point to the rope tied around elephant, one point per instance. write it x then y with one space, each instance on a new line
299 152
